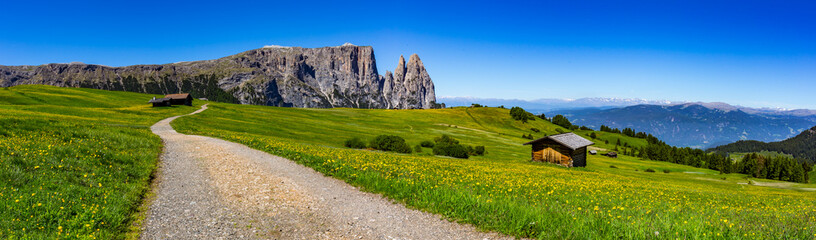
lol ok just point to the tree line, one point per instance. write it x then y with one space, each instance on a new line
801 146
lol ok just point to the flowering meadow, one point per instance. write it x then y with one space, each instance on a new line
503 191
74 163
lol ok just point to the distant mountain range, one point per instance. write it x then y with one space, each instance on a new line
549 104
801 146
698 125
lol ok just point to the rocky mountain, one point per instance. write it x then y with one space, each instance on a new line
691 124
801 146
343 76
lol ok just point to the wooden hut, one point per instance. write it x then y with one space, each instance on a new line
567 149
180 99
612 154
160 102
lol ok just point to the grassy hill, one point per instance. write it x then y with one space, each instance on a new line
74 163
504 191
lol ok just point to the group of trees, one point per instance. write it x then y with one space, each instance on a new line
800 146
626 132
562 121
448 146
779 168
519 114
444 145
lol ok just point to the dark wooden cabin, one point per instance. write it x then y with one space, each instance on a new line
160 102
180 99
567 149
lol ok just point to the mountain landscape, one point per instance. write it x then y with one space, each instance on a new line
696 125
327 77
550 104
280 172
801 146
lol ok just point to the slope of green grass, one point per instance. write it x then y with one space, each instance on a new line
74 163
503 190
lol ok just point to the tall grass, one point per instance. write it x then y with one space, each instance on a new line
74 163
502 191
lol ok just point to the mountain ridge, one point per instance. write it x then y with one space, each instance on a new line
548 104
341 76
691 125
802 146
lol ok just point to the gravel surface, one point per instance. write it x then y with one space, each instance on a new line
208 188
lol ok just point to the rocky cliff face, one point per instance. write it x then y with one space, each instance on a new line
344 76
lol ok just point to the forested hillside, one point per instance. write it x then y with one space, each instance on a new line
802 146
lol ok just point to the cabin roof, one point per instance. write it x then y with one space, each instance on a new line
159 100
570 140
177 96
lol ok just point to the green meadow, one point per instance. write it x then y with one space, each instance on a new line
75 163
504 191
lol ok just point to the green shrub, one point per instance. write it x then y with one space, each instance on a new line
451 150
355 142
666 171
650 170
612 166
418 148
521 115
390 143
445 139
527 136
479 151
535 130
427 144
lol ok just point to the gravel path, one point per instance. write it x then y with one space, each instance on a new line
208 188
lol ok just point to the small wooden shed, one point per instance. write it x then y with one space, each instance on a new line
180 99
566 149
160 102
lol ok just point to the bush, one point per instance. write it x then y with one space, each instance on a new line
427 144
535 129
521 115
445 139
612 166
418 148
560 131
451 150
479 151
355 142
666 171
390 143
527 136
650 170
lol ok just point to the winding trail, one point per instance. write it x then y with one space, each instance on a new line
207 188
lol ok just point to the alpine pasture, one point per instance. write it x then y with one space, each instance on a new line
75 163
503 190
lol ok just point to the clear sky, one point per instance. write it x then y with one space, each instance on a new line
751 53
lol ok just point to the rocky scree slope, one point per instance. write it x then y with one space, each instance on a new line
344 76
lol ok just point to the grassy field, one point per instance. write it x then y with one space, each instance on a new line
503 191
739 156
74 163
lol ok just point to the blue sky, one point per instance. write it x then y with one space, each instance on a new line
751 53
